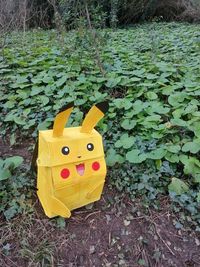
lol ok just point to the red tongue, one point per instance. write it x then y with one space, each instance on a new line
80 168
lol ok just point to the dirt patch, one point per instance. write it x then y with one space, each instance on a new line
108 234
113 232
21 148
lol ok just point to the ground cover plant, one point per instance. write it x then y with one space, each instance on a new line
151 79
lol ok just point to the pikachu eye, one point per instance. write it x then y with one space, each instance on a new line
90 146
65 150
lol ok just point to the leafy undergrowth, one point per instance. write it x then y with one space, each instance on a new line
16 187
151 132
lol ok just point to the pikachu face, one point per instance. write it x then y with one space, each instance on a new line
71 164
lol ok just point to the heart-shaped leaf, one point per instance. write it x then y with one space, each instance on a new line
178 186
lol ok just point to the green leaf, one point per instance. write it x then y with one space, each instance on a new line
176 99
4 174
158 153
12 139
155 118
134 156
152 95
44 125
198 197
112 82
138 106
172 157
48 79
197 178
193 147
178 186
157 107
122 103
36 90
142 262
125 141
61 81
112 157
14 161
21 79
61 222
179 122
173 148
128 124
195 127
192 167
10 212
44 100
19 121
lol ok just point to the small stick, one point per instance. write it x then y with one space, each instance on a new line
163 240
92 214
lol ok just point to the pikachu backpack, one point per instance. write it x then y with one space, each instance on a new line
71 168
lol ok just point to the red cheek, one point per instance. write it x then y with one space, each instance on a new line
65 173
95 166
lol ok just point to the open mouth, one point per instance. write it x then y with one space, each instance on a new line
80 169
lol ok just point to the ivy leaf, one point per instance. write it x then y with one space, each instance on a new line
178 186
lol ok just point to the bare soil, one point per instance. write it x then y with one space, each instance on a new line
114 231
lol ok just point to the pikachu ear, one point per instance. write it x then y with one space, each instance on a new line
61 119
93 116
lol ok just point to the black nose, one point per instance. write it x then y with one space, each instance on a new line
79 157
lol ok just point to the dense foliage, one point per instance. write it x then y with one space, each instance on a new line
15 187
114 13
26 14
151 78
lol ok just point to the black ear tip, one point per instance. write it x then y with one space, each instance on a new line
69 105
103 106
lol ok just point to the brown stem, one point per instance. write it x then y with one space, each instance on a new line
97 54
